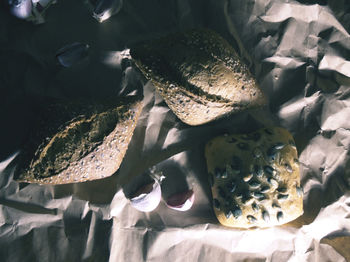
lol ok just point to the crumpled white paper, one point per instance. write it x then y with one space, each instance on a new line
299 52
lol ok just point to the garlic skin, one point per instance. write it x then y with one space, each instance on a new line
104 9
182 201
147 197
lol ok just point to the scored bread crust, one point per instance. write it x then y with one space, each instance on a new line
199 75
78 141
255 178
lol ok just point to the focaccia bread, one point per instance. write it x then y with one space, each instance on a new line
78 141
255 178
199 75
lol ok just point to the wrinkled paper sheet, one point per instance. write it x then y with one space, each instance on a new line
300 54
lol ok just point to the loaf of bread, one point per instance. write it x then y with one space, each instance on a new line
255 178
78 141
199 75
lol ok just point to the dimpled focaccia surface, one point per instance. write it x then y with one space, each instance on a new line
255 178
199 75
77 141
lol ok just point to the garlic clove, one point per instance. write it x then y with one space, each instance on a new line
72 54
21 8
147 197
182 201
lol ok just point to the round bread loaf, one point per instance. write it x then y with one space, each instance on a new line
77 141
255 178
199 75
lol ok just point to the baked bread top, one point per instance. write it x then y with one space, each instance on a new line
76 141
199 75
255 178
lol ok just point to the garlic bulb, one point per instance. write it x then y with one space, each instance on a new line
182 201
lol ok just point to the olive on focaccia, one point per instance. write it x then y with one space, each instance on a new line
199 75
255 178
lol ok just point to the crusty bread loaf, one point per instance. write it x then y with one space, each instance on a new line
78 141
255 178
199 75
